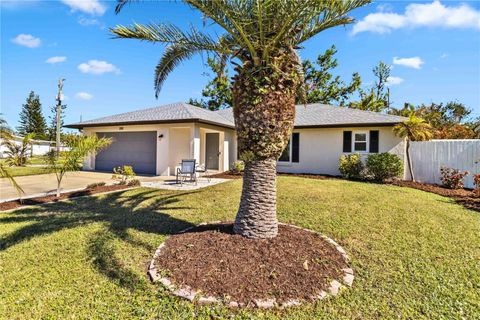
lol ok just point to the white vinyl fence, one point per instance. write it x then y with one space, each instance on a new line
429 156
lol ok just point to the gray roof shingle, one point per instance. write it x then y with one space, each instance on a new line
311 115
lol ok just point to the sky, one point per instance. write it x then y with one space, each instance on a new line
432 46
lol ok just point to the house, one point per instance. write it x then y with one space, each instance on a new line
155 140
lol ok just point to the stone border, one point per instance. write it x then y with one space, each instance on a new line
186 292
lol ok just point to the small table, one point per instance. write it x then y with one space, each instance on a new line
204 170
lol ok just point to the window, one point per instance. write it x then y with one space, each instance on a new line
286 154
360 142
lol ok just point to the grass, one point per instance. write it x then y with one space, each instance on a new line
27 170
416 255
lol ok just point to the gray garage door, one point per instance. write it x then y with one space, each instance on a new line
136 149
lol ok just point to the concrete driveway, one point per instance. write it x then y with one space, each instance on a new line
39 185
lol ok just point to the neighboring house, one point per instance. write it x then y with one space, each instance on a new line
154 141
38 147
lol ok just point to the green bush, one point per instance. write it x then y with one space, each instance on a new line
238 166
351 166
95 185
134 183
123 173
383 166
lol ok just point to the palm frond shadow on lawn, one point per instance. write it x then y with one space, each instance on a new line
146 212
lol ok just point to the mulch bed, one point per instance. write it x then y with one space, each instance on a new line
67 195
297 264
465 197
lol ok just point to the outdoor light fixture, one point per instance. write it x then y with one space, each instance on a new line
160 136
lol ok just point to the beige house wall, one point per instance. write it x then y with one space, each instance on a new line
179 141
321 148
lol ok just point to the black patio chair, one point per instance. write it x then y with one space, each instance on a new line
187 170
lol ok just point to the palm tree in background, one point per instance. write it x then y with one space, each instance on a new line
413 129
6 134
260 39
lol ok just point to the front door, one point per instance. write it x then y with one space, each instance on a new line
212 151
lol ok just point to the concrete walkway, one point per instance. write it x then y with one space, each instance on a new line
45 184
42 184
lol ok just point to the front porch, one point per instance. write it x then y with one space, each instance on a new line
159 149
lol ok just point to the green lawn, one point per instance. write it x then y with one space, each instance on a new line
27 171
415 254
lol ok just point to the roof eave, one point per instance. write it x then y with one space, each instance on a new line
126 123
344 125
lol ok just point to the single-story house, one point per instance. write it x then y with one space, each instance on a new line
155 140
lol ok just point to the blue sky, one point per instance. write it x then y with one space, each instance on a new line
433 46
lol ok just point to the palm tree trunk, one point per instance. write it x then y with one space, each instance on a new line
257 214
409 160
264 112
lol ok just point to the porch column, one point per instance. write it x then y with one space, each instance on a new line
195 143
163 152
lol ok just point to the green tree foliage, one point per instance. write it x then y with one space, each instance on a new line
377 97
31 118
218 92
449 120
413 129
52 129
322 86
17 153
6 134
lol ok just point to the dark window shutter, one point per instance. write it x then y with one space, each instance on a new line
296 147
374 141
347 141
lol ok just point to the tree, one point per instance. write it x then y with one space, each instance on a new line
413 129
376 98
17 153
260 39
448 120
322 86
218 92
368 102
71 160
52 129
7 134
31 118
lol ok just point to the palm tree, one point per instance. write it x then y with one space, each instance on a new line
260 39
413 129
71 160
6 134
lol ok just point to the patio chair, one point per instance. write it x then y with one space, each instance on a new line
187 169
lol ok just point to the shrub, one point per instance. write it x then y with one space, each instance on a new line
383 166
476 182
123 173
134 183
238 166
351 166
95 185
452 178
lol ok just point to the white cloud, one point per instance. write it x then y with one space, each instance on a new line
93 7
433 14
86 22
444 55
391 81
98 67
83 96
56 59
27 40
413 62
